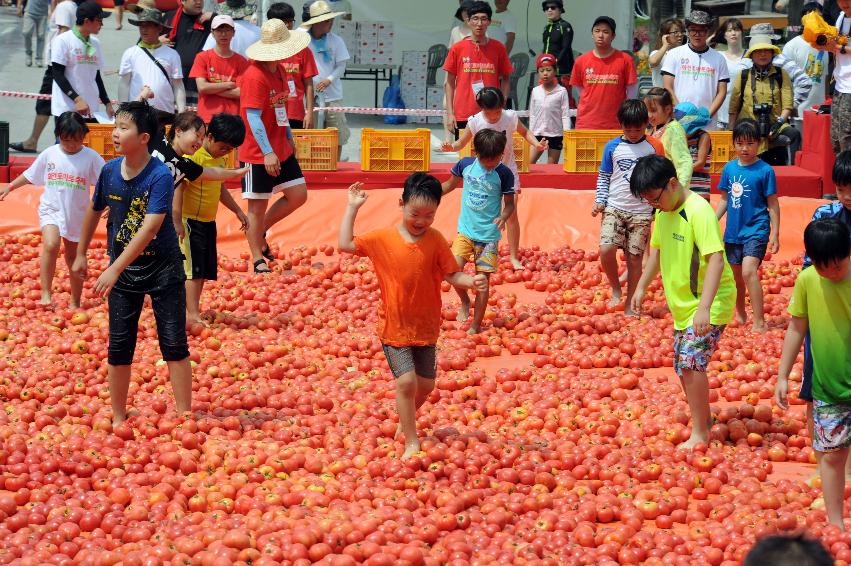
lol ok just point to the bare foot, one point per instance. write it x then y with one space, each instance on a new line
196 320
398 432
516 264
473 330
75 304
692 442
630 312
741 315
411 449
759 327
46 299
464 311
614 301
116 420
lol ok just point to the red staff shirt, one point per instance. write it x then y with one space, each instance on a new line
603 83
264 90
214 68
475 67
300 66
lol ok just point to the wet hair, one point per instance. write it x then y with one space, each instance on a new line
811 7
479 7
142 115
788 550
489 143
70 126
280 11
632 112
734 23
658 96
490 98
665 28
422 186
746 129
651 172
842 169
227 128
185 121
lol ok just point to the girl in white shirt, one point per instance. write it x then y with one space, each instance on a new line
732 34
66 171
671 34
549 110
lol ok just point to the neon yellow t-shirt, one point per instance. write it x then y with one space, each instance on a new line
201 198
684 238
827 307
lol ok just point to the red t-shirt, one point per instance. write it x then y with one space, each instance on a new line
300 66
475 65
603 83
264 90
213 68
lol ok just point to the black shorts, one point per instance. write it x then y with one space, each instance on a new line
199 249
420 359
460 125
169 304
42 107
258 184
117 3
554 142
296 124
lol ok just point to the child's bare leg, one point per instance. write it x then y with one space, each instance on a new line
119 385
534 155
194 288
180 373
832 468
750 275
406 392
50 253
512 227
464 310
76 282
425 385
696 387
479 308
553 156
292 198
256 227
634 268
810 431
609 263
741 313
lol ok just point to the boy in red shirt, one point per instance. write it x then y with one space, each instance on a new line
605 77
267 148
472 64
411 260
216 72
300 70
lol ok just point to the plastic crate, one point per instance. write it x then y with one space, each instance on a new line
583 149
316 150
521 152
395 150
722 149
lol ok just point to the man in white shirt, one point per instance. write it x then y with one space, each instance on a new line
503 26
151 69
695 72
814 63
840 113
245 32
329 51
63 18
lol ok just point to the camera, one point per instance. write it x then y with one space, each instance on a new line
762 113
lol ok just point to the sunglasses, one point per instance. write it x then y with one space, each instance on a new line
553 7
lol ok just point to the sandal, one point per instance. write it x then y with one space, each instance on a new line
258 264
267 252
19 147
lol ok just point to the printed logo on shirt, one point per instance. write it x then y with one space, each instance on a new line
293 67
687 69
135 217
468 66
738 189
58 179
82 58
215 77
594 78
678 237
278 98
476 191
815 67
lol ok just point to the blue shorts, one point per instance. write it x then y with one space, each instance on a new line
736 253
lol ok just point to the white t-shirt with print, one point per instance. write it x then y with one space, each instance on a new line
814 64
81 70
696 75
501 25
143 72
65 15
842 71
338 53
66 180
507 123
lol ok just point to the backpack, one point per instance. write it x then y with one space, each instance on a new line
776 77
393 99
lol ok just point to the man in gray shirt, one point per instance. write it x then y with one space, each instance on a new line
35 20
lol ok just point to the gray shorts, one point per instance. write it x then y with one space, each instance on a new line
420 359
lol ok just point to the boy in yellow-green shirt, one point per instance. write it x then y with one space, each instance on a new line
821 304
686 235
200 205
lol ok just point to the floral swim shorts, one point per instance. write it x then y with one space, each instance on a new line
831 426
695 352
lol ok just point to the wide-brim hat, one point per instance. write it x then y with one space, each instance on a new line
141 6
237 9
763 31
698 18
277 42
761 44
691 117
319 12
148 15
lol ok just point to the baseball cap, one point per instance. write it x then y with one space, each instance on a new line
90 11
546 59
222 20
605 20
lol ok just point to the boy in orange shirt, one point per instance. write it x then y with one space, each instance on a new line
411 260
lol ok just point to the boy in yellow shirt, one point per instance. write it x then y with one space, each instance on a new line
200 205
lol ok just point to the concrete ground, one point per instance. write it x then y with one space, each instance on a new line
19 112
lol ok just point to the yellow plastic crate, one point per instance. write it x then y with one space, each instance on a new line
316 150
395 150
521 152
583 149
722 149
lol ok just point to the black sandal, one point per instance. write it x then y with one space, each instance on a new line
266 251
262 262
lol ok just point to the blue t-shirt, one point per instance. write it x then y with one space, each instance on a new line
129 201
481 199
748 188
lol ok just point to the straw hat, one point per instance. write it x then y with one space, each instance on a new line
277 42
319 12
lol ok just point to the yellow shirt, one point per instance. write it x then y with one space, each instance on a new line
201 198
684 237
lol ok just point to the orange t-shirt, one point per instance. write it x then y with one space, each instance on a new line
409 276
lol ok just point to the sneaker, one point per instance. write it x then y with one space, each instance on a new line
29 61
39 63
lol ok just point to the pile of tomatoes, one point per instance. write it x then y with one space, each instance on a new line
550 438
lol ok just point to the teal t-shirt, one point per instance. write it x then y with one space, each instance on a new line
827 307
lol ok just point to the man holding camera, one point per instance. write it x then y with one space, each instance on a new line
764 93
